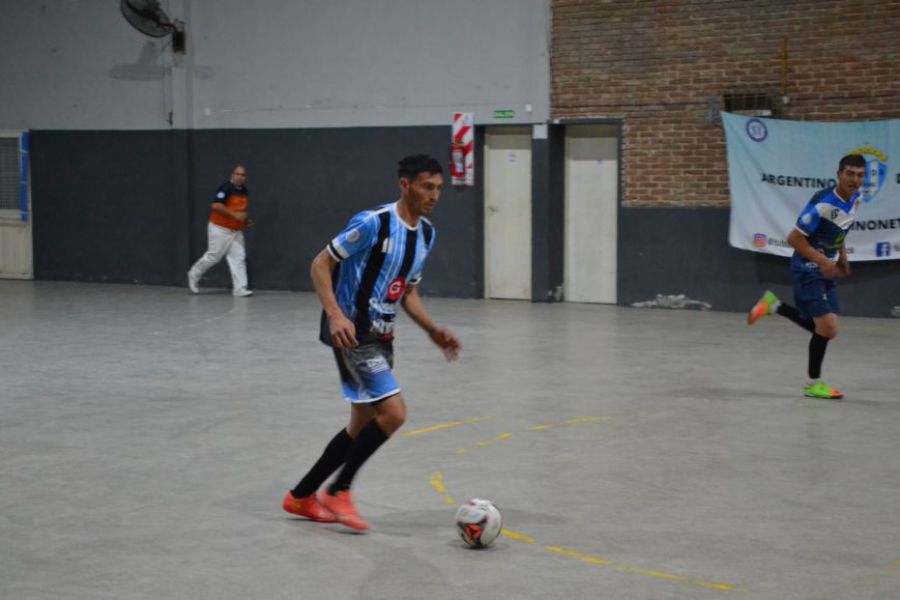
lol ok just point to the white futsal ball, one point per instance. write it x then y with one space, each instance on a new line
479 522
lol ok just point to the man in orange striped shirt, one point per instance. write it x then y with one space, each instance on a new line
226 221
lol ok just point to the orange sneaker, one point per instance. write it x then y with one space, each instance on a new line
767 305
308 507
341 504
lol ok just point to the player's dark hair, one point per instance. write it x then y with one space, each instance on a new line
412 165
852 160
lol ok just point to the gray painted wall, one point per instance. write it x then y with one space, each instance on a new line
68 64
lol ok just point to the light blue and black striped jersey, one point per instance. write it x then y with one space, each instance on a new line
379 256
825 220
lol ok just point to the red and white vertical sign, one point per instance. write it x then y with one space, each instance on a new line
462 150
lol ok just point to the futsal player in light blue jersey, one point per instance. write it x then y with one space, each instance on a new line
820 257
365 272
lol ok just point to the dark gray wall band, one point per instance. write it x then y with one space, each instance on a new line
132 207
685 251
547 215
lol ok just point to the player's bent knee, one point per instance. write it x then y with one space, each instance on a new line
829 332
391 414
397 418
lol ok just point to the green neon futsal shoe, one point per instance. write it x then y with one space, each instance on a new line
767 305
820 389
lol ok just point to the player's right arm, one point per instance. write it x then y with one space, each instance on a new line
799 242
343 331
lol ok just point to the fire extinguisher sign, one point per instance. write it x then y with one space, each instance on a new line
462 149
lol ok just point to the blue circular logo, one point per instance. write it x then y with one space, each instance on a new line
757 130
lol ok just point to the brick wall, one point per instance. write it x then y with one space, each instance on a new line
662 65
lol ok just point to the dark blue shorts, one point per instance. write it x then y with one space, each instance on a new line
814 295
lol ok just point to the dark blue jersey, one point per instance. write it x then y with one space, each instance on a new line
825 221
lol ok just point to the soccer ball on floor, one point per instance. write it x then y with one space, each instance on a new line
479 522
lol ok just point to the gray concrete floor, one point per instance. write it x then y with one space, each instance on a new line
148 436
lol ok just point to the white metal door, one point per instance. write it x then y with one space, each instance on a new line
507 213
15 207
591 207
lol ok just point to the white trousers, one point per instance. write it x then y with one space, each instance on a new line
230 244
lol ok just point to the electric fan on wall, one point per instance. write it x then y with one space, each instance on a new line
147 17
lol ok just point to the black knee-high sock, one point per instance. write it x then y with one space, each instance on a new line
370 439
333 457
786 310
817 346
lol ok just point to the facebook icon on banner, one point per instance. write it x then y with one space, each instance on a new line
882 249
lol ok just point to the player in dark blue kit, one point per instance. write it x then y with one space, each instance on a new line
373 265
820 257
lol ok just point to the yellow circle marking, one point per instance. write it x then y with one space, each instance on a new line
441 426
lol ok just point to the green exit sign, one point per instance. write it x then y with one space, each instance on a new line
504 113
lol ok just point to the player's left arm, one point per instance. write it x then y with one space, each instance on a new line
441 336
843 263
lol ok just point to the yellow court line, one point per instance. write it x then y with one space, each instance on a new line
437 481
637 570
502 436
568 422
586 420
425 430
519 537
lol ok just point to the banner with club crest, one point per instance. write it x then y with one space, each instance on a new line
775 166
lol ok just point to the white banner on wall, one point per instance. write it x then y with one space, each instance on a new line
775 166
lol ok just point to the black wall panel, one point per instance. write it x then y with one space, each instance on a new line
133 206
686 251
104 205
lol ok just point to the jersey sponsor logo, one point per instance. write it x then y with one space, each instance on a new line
353 235
806 218
383 326
396 288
